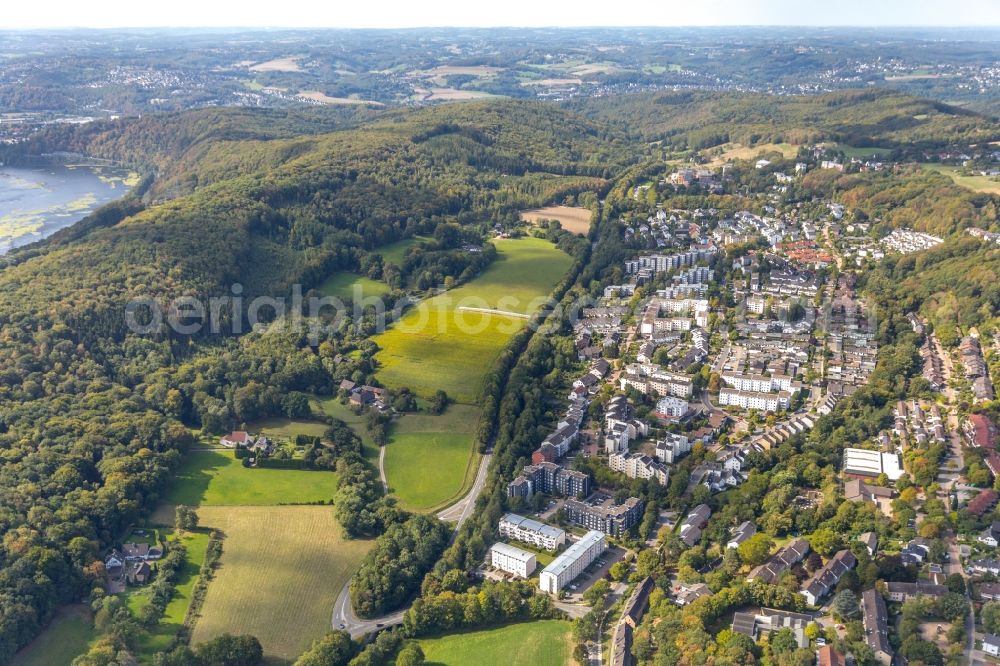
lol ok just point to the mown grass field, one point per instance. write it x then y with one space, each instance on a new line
863 152
436 345
279 427
157 640
573 219
281 570
545 643
66 637
218 478
429 459
352 286
977 183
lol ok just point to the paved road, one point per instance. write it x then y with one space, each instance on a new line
505 313
343 613
460 511
344 617
381 469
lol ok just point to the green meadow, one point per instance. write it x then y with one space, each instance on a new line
977 183
437 345
67 636
347 286
281 428
429 459
393 253
218 478
544 643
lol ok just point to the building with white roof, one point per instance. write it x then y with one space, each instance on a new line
525 530
862 462
512 560
571 563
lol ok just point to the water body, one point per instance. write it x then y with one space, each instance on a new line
35 202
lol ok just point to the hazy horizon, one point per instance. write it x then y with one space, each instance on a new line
395 14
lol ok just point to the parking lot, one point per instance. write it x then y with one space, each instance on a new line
593 573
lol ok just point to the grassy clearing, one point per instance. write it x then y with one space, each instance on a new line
863 152
544 643
279 427
447 440
66 637
352 286
356 422
977 183
393 253
159 638
437 346
218 478
279 576
573 219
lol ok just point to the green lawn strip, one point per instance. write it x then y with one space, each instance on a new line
542 643
218 478
351 286
543 558
67 636
429 460
281 428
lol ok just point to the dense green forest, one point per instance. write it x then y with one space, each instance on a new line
95 418
697 120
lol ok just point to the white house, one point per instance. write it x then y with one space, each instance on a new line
991 645
512 560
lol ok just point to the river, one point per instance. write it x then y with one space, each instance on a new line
37 201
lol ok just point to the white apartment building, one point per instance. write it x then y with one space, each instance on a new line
512 560
672 447
525 530
639 466
572 562
768 402
652 378
761 383
664 383
672 407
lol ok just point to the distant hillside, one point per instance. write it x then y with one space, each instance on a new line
695 119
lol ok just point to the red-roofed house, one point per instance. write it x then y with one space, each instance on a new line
982 502
993 462
827 656
980 431
234 439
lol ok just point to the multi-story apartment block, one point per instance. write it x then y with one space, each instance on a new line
611 519
551 479
639 466
769 402
512 560
525 530
571 563
672 447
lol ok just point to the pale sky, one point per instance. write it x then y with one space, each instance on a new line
480 13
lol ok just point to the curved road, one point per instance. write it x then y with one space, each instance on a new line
343 613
